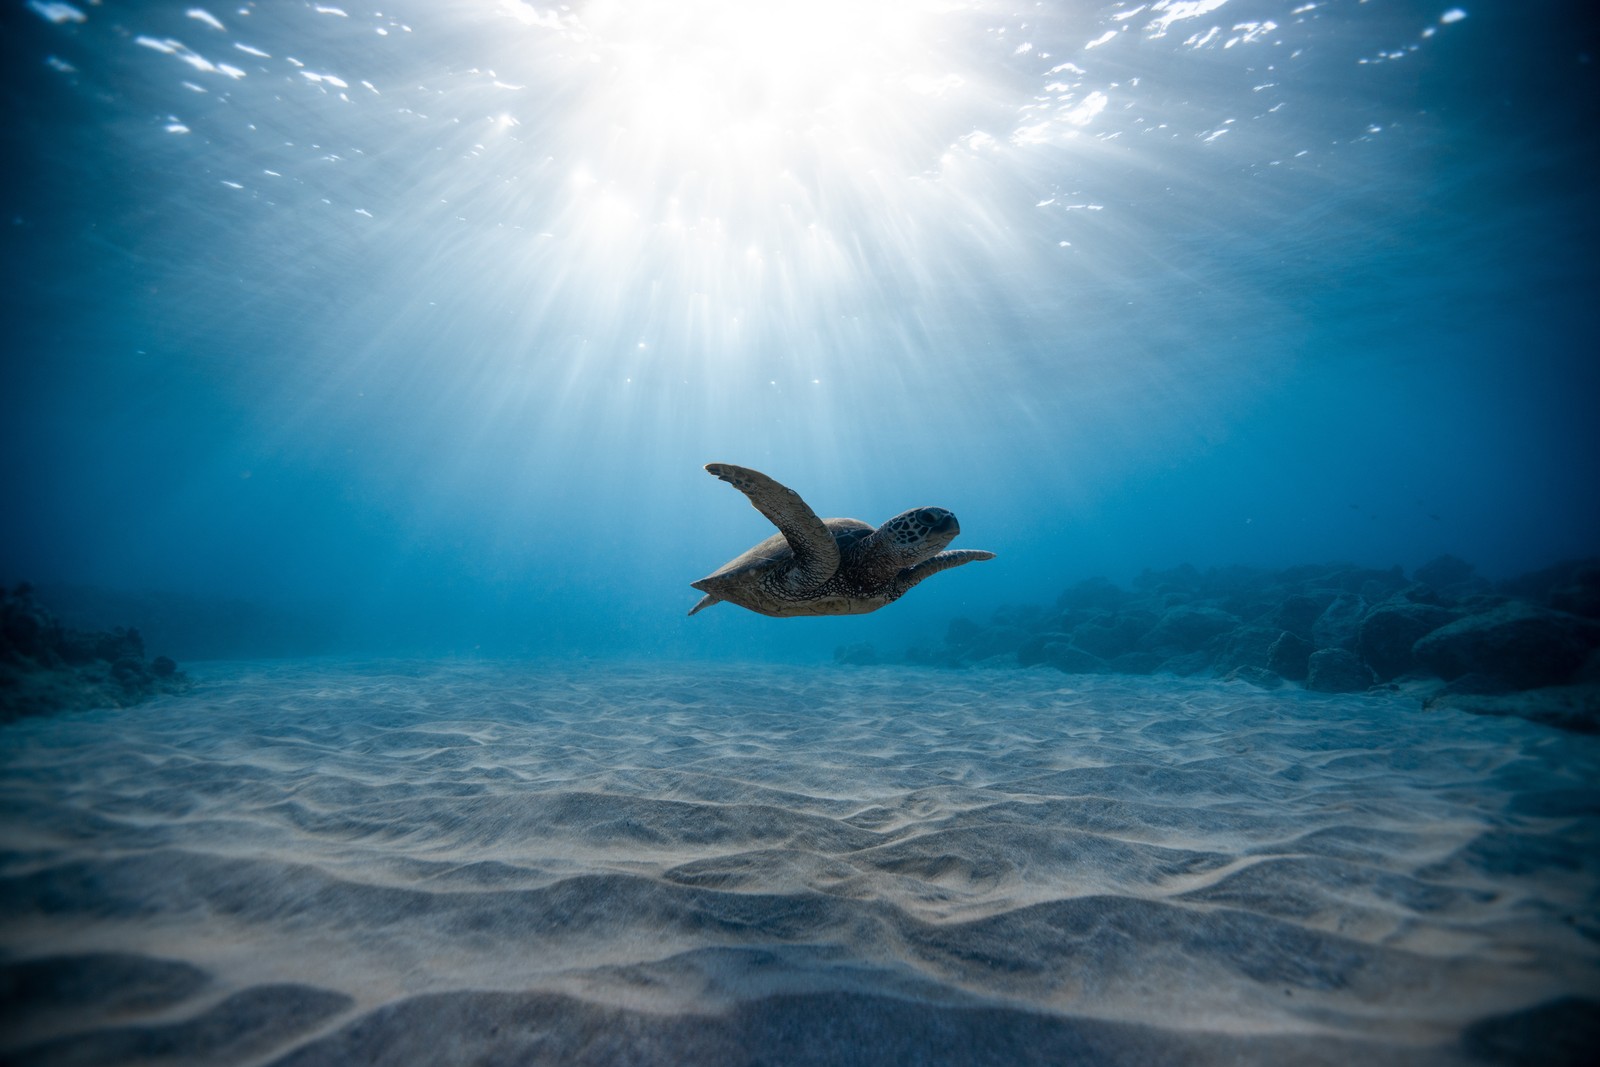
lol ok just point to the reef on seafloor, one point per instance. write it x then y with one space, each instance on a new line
1525 647
46 667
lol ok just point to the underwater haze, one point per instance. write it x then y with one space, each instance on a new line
420 321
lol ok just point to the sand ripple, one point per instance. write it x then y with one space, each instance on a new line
469 862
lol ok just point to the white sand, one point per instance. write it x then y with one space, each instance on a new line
470 862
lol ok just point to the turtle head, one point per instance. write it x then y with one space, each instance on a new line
913 536
904 551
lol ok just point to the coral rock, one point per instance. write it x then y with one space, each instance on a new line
1527 646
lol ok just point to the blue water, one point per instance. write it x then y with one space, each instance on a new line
367 359
419 326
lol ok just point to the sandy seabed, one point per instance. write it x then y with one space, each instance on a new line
471 862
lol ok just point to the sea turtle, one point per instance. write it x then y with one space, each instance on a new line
815 566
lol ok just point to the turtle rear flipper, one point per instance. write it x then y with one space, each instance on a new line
816 555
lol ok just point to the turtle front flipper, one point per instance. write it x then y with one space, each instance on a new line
942 562
816 555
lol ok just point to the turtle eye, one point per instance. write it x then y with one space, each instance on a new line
930 516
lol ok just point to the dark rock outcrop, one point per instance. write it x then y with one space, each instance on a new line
1573 587
1136 663
1290 656
1333 627
45 667
1072 660
1256 676
1340 622
968 642
1299 613
1338 670
1569 707
1186 629
1526 646
1385 637
862 654
1580 595
1110 636
1247 646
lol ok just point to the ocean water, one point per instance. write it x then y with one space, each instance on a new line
367 358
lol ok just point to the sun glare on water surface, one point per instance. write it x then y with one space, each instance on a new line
704 77
749 125
704 201
726 177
